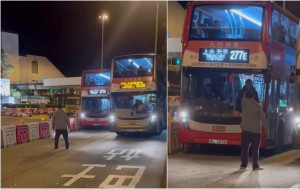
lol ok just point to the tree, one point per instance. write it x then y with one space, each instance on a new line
5 67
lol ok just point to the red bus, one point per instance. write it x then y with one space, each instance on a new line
224 44
95 98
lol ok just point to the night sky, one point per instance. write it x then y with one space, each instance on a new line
69 33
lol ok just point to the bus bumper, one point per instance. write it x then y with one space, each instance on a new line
132 126
192 136
85 123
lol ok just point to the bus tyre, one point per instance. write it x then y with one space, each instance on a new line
280 136
157 129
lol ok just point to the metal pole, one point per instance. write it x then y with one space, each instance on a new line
156 29
102 44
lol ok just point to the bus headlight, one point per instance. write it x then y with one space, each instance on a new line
290 109
82 115
153 118
297 121
112 118
183 114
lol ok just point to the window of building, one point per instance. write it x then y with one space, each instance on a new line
34 66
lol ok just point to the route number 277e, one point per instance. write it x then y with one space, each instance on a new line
238 55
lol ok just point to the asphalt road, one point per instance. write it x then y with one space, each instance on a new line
97 158
218 167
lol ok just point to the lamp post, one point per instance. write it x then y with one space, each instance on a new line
103 18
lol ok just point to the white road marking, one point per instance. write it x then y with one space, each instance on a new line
81 174
128 154
131 154
121 178
114 153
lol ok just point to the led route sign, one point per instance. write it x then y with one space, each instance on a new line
96 91
132 85
224 55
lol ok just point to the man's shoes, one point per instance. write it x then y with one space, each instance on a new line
242 168
68 148
258 168
55 148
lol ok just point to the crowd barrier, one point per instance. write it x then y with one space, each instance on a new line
34 133
22 133
9 135
44 130
173 143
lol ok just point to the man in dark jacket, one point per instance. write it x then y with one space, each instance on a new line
60 124
252 117
248 86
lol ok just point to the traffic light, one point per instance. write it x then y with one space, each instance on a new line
178 61
63 90
51 90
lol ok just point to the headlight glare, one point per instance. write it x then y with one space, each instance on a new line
82 115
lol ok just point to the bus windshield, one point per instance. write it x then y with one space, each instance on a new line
210 94
128 105
226 21
95 107
96 79
133 67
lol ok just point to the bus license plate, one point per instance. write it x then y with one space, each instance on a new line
217 141
132 130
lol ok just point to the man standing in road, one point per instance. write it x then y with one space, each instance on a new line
60 124
248 86
251 127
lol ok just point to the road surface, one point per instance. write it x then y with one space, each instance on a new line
97 158
219 168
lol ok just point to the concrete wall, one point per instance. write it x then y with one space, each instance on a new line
45 69
176 16
22 72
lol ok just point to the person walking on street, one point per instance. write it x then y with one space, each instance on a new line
61 123
248 86
251 130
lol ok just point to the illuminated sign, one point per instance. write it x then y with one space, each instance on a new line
96 91
132 85
224 55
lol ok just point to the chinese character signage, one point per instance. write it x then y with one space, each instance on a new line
96 91
132 85
224 55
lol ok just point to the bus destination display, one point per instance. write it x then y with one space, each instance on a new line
224 55
132 85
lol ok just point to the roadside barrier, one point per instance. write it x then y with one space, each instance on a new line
44 130
34 131
22 133
9 135
173 144
51 131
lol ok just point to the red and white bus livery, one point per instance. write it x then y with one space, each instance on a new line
224 44
95 98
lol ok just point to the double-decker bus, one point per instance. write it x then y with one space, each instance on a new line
297 95
138 93
224 44
95 98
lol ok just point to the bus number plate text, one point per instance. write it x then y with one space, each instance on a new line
217 141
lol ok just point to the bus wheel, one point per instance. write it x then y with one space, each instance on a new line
157 129
280 136
120 133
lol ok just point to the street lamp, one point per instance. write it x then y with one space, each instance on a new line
103 18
